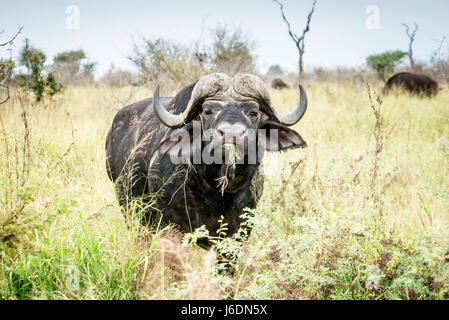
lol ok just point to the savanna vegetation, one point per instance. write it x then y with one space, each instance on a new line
362 213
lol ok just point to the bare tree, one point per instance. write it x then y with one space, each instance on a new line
298 40
411 36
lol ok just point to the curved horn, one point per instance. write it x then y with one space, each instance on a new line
252 86
167 118
205 87
294 116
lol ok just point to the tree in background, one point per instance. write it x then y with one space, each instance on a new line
384 63
298 40
275 70
118 78
72 68
33 60
411 36
439 62
162 60
229 51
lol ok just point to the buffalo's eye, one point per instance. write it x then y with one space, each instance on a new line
253 114
208 112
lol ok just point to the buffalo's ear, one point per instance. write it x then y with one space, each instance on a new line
171 142
184 142
177 140
277 137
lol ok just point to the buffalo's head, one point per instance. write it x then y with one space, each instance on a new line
234 112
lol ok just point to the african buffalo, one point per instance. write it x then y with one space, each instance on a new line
278 83
146 138
413 83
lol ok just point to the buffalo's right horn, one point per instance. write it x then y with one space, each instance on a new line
167 118
205 87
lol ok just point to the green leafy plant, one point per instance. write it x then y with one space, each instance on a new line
34 59
384 63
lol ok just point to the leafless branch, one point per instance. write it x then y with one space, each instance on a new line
298 40
411 36
13 38
7 95
294 37
439 59
6 82
379 137
307 28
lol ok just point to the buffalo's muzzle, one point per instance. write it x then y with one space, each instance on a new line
231 132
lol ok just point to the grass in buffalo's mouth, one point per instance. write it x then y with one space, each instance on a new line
230 157
318 233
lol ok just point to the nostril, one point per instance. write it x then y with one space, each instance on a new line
238 132
232 131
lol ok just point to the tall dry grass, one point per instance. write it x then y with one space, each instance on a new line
318 231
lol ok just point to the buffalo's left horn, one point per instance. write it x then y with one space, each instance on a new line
294 116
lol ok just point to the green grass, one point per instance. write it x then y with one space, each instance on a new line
317 232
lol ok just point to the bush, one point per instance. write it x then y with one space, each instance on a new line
165 61
439 62
384 63
275 70
119 78
356 76
72 68
230 51
34 59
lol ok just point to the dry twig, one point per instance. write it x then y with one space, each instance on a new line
379 138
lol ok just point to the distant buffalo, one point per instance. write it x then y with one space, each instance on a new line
413 83
278 83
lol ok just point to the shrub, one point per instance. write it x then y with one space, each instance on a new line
229 51
119 78
163 60
72 67
232 52
34 59
384 63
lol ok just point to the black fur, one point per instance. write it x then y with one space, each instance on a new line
188 196
278 83
413 83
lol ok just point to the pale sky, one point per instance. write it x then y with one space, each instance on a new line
339 35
